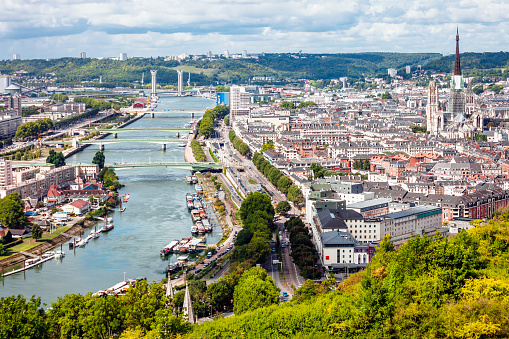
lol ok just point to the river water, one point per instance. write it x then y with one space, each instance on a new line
156 214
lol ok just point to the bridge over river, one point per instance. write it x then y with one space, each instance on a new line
193 166
120 130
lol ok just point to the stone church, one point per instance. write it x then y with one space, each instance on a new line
460 119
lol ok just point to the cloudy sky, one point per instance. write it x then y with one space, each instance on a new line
56 28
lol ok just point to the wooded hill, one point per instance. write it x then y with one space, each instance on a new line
285 67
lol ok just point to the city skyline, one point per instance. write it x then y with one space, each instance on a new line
157 28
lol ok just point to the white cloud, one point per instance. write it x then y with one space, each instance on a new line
163 27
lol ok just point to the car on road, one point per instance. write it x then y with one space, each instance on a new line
285 294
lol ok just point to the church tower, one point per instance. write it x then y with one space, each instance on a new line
434 120
456 107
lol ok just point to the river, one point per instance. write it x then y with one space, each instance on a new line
156 214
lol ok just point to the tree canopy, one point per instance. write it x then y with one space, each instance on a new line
99 159
12 211
55 158
255 289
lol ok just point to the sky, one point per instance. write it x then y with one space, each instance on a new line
40 29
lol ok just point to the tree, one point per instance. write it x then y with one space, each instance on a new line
386 95
221 294
227 120
295 195
258 249
22 319
255 201
99 159
267 146
36 232
55 158
284 183
287 105
12 213
283 207
491 124
255 289
482 137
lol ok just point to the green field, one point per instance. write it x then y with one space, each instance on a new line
194 69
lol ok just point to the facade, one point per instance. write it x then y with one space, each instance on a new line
371 208
460 119
239 101
5 172
39 186
223 98
77 207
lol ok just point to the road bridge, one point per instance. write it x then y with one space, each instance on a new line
121 130
169 111
193 166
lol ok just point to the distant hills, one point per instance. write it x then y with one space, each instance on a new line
285 67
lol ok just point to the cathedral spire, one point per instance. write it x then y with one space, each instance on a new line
169 288
188 306
457 67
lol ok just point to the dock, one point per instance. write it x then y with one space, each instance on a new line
29 266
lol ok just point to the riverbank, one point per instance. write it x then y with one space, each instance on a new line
75 230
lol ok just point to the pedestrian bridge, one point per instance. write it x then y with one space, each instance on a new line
193 166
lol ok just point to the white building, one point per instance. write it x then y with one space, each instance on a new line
123 57
16 57
83 55
392 72
239 101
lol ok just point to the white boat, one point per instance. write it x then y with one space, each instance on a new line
48 254
182 144
189 180
95 234
198 188
107 228
82 243
197 204
201 229
59 254
32 261
194 179
194 229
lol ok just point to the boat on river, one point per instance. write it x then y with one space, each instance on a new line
168 249
195 216
201 229
194 229
198 188
182 144
107 228
194 179
126 197
189 180
206 225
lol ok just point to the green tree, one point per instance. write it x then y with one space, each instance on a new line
258 249
36 232
143 301
55 158
283 207
254 290
12 213
255 201
295 195
284 183
386 95
227 120
22 319
491 124
99 159
482 137
287 105
221 294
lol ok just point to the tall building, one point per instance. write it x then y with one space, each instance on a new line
226 54
16 57
83 55
123 57
239 101
460 119
209 54
5 172
408 69
244 54
180 83
392 72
